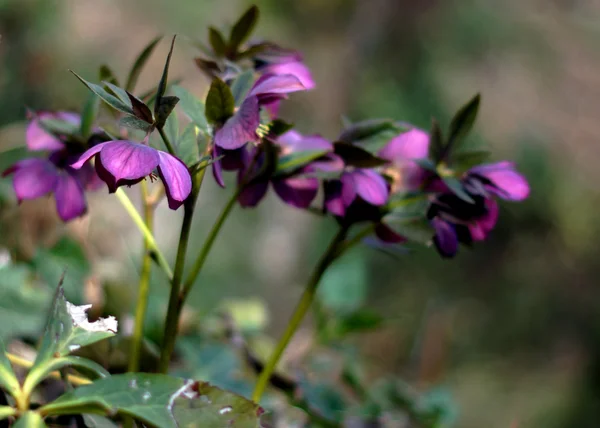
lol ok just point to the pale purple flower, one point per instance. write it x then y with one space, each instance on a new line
355 183
124 162
37 138
277 60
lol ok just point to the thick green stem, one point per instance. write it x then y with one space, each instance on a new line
302 307
144 287
166 141
139 222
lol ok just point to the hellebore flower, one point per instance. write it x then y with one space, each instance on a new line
297 189
123 162
37 138
241 127
277 60
355 183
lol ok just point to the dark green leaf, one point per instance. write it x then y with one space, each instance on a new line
139 63
96 421
241 85
366 129
464 161
140 110
192 107
463 122
436 142
279 127
108 98
118 92
289 163
409 205
135 123
357 156
219 102
325 399
358 321
164 111
8 380
159 401
415 229
162 85
30 420
88 116
243 28
106 74
217 42
254 50
457 188
187 146
210 68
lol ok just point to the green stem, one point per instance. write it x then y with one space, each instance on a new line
144 287
165 139
301 308
139 222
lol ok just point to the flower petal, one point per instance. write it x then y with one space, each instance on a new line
33 178
277 84
480 228
348 189
176 177
127 160
37 138
88 154
370 186
252 194
328 163
217 169
241 128
334 202
297 192
70 197
413 144
507 183
445 238
295 68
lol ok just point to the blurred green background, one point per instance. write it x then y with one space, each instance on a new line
512 328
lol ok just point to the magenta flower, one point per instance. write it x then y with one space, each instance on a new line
241 127
123 162
37 138
277 60
362 184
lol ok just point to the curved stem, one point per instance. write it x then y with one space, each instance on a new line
301 308
144 287
166 141
139 222
22 362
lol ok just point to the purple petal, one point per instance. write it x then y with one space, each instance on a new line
241 128
328 163
217 169
297 192
445 238
127 160
370 186
87 177
480 228
277 84
507 182
37 138
386 234
348 191
70 198
177 179
292 141
232 159
413 144
295 68
252 194
88 154
333 198
33 178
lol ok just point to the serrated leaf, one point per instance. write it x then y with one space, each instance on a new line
241 86
8 380
164 111
436 143
162 85
108 98
135 123
217 42
289 163
139 64
462 122
192 107
358 131
187 146
219 102
243 28
30 420
457 188
90 111
159 401
356 156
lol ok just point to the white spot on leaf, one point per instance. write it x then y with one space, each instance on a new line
80 319
225 410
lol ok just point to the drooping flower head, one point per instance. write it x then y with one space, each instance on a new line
37 137
123 162
273 59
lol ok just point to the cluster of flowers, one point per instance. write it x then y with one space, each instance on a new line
357 183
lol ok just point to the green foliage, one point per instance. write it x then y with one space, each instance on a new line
30 420
243 28
159 103
357 156
241 85
219 102
187 146
192 107
290 163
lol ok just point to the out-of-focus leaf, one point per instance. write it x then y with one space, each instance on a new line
135 123
106 74
6 411
289 163
8 380
90 111
192 107
426 164
437 146
159 401
279 127
162 85
464 161
241 86
462 122
96 421
356 156
457 188
219 102
248 314
242 29
164 111
187 146
217 42
30 420
343 288
361 320
325 399
139 64
60 127
415 229
408 205
108 98
366 129
210 68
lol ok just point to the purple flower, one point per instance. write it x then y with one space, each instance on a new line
297 189
241 127
277 60
37 138
355 183
123 162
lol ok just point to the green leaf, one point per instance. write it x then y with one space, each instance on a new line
463 122
30 420
365 129
119 92
208 67
83 364
162 85
187 146
59 127
343 288
356 156
159 401
414 229
358 321
108 98
219 102
106 74
409 204
243 28
6 411
88 116
164 111
457 188
325 399
279 127
464 161
192 107
289 163
436 142
139 64
241 86
172 127
135 123
96 421
217 42
8 380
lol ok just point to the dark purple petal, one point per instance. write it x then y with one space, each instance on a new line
295 68
87 177
276 84
105 176
88 154
70 197
413 144
232 159
370 186
217 169
127 160
507 182
241 128
480 228
348 191
386 234
445 238
296 191
333 198
33 178
252 194
176 177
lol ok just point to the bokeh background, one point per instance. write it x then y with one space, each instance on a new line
511 329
